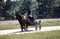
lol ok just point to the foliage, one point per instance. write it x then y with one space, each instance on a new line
45 8
2 18
48 8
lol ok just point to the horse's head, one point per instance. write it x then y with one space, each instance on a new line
20 16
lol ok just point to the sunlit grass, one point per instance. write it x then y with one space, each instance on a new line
11 26
51 23
39 35
17 26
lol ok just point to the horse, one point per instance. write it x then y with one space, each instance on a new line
24 21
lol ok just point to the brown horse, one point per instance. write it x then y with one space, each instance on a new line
25 22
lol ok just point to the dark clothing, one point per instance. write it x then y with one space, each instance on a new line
29 15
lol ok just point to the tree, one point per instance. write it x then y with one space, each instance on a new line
45 8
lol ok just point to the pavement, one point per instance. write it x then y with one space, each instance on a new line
30 30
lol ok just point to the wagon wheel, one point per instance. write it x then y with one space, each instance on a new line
38 25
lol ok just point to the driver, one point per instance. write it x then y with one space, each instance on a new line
29 15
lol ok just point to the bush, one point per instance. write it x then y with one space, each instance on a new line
2 18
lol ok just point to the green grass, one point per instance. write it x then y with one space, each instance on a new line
11 26
39 35
16 26
51 23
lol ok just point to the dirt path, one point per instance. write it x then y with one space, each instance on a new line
16 22
30 30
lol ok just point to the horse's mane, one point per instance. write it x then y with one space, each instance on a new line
22 19
20 16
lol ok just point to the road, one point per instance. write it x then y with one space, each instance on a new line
30 30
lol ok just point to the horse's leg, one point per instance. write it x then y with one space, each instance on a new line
25 27
36 27
39 24
21 28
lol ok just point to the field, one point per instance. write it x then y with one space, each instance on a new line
38 35
17 26
51 23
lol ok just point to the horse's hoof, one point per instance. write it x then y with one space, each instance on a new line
22 31
40 28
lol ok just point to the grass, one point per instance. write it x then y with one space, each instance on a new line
51 23
39 35
16 26
11 26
